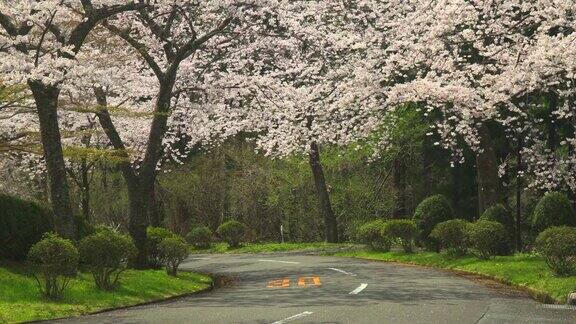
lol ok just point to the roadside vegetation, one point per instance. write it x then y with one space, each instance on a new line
528 272
21 301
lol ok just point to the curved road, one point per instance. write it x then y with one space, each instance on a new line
282 288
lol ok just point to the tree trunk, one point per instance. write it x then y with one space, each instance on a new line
46 98
138 221
399 180
489 192
153 207
518 229
85 181
330 222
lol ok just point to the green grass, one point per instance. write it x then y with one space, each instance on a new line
20 300
279 247
525 271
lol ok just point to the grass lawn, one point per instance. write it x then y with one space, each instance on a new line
525 271
280 247
20 300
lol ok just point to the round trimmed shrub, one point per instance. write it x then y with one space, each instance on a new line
452 236
106 254
429 213
55 261
554 209
557 244
173 250
402 230
499 213
485 238
22 223
232 232
372 234
200 237
155 235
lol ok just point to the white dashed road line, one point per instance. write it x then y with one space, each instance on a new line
359 289
292 318
289 262
342 271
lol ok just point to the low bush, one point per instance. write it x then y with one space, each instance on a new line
499 213
22 223
155 235
106 254
452 236
554 209
54 261
486 237
232 232
173 250
402 230
429 213
371 233
200 237
557 245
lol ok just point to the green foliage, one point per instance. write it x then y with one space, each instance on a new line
106 254
154 236
173 250
499 213
452 236
403 230
430 212
486 238
372 234
200 237
557 244
554 209
55 261
22 223
232 232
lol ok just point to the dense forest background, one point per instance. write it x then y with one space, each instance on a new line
235 181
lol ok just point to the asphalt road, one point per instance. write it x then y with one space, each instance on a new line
312 289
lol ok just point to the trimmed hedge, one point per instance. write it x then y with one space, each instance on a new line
155 235
55 261
200 237
452 235
554 209
557 244
173 250
372 234
486 238
402 230
499 213
22 224
106 254
232 232
429 213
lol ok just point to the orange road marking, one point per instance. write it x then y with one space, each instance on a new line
304 281
280 283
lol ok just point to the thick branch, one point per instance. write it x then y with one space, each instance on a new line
112 133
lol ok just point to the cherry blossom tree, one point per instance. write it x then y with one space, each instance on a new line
38 44
492 65
312 87
177 51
